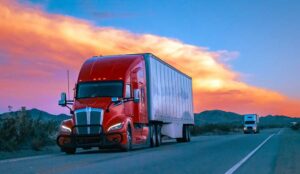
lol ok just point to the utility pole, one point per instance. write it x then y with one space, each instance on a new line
68 76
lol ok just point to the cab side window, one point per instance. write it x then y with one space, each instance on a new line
140 76
128 91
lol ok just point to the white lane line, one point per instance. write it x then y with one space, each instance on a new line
279 132
237 165
25 158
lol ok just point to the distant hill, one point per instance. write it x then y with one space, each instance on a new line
37 114
203 118
277 120
217 117
222 117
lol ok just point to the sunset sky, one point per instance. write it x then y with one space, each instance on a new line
242 55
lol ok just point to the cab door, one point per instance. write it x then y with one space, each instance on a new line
139 106
138 86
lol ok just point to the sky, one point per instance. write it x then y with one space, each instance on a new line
242 55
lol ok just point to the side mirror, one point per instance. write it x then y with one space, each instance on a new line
136 95
63 99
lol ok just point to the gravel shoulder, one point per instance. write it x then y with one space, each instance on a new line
29 152
288 158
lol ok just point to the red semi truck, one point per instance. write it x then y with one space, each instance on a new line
127 101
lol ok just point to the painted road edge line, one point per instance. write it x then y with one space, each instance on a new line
25 158
237 165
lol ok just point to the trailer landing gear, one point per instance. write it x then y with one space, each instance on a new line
155 135
186 134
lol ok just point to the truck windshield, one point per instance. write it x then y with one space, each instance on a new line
99 89
249 122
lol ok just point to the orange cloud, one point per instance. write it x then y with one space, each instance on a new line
36 48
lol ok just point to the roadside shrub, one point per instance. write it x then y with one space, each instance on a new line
215 129
271 126
227 128
37 143
295 126
20 131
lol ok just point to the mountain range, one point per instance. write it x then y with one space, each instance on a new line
36 114
203 118
222 117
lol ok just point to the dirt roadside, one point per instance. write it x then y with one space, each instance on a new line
29 152
288 159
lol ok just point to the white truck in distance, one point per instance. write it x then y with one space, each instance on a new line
251 122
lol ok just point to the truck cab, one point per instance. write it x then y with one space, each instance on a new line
251 123
109 105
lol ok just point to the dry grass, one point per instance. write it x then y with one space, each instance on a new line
215 129
20 131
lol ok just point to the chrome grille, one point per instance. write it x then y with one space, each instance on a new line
86 117
81 119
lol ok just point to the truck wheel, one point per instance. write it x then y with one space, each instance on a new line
128 145
69 150
152 135
158 135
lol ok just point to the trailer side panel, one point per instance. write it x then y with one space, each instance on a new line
170 97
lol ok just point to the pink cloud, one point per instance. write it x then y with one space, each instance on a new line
37 48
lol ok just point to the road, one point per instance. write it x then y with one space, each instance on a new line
271 151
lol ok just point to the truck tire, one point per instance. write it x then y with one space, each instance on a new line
152 135
128 145
69 150
158 134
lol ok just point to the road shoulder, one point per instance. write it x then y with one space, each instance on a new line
48 150
289 153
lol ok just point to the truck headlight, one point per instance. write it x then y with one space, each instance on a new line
245 128
115 127
65 129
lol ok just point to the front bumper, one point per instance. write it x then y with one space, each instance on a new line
101 139
250 130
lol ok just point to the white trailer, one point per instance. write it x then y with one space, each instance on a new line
170 99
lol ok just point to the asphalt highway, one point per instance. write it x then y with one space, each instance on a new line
270 151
